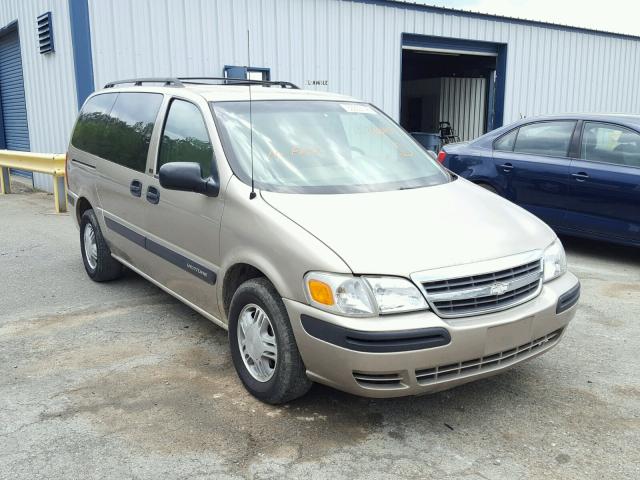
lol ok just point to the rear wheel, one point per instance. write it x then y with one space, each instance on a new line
96 255
263 348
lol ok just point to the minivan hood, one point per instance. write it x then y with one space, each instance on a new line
405 231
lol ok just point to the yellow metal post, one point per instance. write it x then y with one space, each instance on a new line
5 180
59 194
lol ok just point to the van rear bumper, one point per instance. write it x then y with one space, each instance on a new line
417 353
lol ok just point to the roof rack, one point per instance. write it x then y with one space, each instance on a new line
183 81
174 82
235 81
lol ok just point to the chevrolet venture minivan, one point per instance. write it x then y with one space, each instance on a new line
332 247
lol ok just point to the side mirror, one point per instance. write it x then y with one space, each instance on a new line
187 177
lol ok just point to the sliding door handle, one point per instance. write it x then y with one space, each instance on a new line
136 188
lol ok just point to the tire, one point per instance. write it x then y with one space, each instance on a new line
288 379
488 188
103 267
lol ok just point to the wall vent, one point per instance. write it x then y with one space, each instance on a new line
45 33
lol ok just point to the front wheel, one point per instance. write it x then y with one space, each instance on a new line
263 348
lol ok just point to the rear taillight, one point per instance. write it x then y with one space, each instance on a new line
441 156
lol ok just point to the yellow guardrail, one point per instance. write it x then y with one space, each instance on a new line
52 164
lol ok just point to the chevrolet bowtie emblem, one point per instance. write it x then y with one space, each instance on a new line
499 288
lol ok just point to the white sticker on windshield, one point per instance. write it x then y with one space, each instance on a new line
357 108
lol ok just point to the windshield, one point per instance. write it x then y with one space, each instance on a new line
322 147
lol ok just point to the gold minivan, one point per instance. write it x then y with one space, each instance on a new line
332 247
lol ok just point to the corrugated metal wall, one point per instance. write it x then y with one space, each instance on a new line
462 103
356 47
48 79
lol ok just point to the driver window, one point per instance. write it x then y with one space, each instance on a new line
185 137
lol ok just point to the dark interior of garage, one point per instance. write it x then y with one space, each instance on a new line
447 87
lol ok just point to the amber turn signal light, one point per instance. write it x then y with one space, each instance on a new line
320 292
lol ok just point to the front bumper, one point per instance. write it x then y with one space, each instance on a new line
416 353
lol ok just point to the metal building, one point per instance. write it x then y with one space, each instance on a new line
420 64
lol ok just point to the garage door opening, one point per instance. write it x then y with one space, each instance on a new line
450 94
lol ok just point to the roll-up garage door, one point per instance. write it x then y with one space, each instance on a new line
14 131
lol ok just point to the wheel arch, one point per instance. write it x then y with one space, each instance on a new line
238 272
82 205
234 276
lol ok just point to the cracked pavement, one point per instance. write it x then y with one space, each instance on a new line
121 381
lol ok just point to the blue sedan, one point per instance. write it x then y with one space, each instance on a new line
579 173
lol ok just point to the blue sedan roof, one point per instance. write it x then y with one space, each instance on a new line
632 121
600 117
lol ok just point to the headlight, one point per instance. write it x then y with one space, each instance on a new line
362 296
394 294
555 261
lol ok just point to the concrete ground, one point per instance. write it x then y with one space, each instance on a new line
120 381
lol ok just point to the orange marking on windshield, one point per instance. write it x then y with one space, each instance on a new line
305 152
380 130
275 154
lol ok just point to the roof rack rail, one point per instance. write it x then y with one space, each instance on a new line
183 81
235 81
174 82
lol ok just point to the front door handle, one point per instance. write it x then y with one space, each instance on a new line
507 167
136 188
153 195
580 176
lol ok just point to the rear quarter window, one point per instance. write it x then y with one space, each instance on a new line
90 133
118 127
506 142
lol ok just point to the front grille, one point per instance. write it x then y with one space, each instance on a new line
476 365
379 380
492 302
484 293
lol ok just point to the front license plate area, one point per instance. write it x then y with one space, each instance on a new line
507 336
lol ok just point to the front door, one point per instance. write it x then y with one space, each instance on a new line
183 228
533 167
605 183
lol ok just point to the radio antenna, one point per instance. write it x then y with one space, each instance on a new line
252 195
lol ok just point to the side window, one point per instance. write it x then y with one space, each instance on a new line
129 129
185 137
506 142
607 143
545 138
90 133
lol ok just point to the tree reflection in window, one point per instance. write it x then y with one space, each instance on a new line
118 127
185 137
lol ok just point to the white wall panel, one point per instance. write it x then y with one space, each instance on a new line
49 81
356 46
